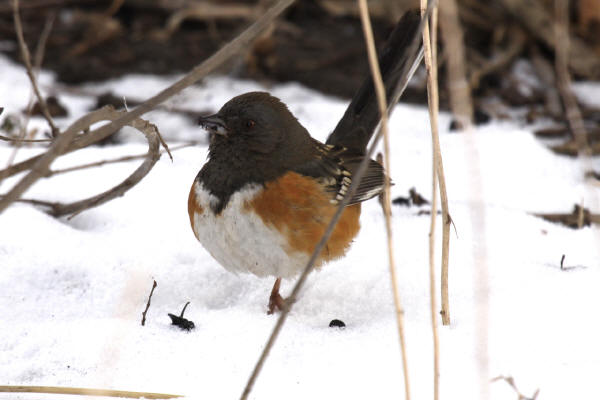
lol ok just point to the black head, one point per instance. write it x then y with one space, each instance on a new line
254 138
258 120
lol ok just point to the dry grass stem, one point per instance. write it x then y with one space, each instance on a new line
460 99
86 392
27 60
362 168
358 175
431 64
387 206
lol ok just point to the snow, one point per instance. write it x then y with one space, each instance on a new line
72 290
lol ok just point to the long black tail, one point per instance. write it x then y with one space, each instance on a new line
398 61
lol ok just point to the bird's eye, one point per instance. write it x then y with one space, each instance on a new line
250 124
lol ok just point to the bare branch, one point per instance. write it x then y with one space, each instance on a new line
148 304
63 144
27 60
150 131
39 168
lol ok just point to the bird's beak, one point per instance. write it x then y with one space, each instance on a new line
213 124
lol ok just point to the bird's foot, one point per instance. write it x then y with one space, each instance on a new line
276 302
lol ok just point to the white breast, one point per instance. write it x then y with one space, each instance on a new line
239 240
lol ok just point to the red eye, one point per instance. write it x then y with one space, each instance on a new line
250 124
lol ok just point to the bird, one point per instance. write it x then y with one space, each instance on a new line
268 190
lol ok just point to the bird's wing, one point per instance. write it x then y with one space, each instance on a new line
334 167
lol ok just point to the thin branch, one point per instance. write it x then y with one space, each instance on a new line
387 206
360 172
39 168
510 380
20 140
38 59
497 62
27 60
86 392
63 144
431 65
148 303
150 131
113 161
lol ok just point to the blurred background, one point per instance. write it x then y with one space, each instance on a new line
509 45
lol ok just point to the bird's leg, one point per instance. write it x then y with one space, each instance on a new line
276 302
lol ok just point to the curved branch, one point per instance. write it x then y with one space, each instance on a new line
151 133
64 144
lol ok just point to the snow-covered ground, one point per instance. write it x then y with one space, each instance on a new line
72 291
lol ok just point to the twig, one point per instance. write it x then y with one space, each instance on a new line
39 168
114 7
86 392
537 19
387 210
234 47
498 61
562 261
61 146
148 304
205 11
183 311
39 57
510 380
20 140
112 161
362 168
27 60
150 131
431 65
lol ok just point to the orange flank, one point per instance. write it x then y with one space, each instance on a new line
300 210
193 206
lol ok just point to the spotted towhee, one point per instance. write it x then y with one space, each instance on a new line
268 191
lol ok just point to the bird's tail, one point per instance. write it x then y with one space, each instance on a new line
398 61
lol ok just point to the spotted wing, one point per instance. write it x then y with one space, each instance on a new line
335 168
